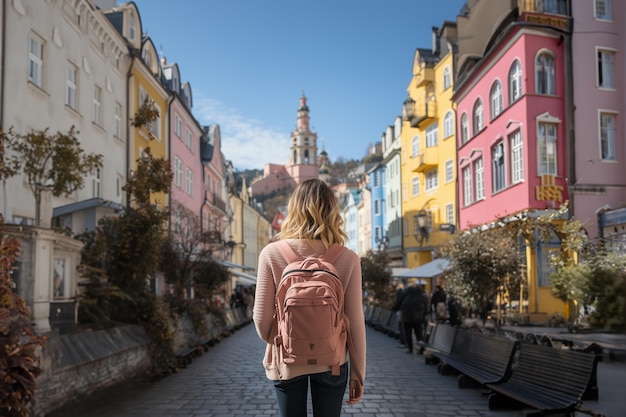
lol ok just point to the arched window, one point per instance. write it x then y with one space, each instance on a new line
415 146
544 74
495 97
464 129
447 78
477 118
448 125
306 156
515 82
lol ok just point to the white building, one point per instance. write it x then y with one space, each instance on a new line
65 65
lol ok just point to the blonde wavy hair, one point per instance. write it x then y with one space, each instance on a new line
313 214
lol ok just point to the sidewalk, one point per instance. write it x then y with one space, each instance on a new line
228 380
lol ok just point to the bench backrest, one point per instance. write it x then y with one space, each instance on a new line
443 337
561 370
490 353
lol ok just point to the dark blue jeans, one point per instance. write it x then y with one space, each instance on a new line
326 394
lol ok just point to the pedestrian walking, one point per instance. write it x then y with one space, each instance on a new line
414 306
396 309
313 225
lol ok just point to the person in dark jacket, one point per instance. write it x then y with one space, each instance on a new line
413 306
396 309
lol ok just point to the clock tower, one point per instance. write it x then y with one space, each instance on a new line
303 162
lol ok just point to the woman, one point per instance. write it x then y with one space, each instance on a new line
312 225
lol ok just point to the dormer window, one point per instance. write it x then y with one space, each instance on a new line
131 29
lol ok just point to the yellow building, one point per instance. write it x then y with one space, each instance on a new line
429 208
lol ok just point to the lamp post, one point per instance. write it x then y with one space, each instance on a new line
382 242
409 108
230 246
422 230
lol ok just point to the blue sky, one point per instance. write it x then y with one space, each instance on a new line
248 62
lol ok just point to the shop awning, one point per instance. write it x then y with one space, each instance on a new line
243 278
428 270
228 264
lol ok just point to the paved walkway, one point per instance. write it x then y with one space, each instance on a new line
228 381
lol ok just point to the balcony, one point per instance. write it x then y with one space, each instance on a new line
423 113
426 160
216 201
424 77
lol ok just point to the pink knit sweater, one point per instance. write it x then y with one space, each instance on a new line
271 265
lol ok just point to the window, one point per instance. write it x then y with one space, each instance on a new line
544 74
178 172
447 78
551 6
607 136
449 170
189 141
478 117
154 126
118 120
464 129
70 86
375 178
432 180
415 186
97 105
415 147
96 184
603 9
131 29
178 126
35 61
377 207
546 148
432 135
479 174
448 125
495 97
605 68
467 186
517 158
450 213
515 82
190 182
497 160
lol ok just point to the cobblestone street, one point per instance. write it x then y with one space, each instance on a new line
228 380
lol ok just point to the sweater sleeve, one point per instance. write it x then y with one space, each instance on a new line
264 302
353 304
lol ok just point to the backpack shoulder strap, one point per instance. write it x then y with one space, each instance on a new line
287 252
333 253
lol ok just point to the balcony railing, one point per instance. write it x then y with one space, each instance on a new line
424 112
426 160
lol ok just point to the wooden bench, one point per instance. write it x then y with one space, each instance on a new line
546 379
479 358
185 355
439 342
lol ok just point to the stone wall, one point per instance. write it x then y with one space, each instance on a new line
76 365
79 364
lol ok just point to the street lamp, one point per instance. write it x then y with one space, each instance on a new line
382 242
409 108
422 230
230 245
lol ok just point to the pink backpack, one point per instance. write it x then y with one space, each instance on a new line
312 327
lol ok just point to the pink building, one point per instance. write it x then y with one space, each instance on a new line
302 165
597 178
185 134
511 120
215 210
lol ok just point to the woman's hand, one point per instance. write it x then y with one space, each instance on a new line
356 392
